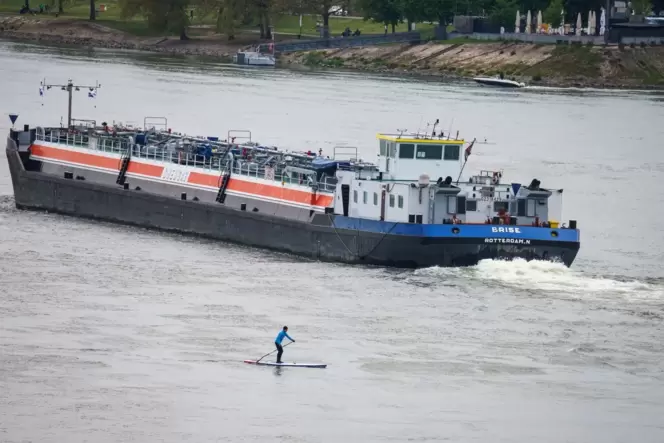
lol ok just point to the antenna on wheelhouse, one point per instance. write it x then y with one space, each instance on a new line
433 132
419 126
401 132
70 87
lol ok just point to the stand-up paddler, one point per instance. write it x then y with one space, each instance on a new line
280 337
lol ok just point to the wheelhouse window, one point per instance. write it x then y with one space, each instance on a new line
364 197
401 201
497 206
391 200
429 152
452 152
354 196
392 149
383 148
530 207
375 199
406 150
452 205
471 205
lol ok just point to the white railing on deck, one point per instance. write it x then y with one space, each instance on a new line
120 146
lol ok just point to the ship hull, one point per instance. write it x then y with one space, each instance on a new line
311 234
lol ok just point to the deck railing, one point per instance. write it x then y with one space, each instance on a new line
121 145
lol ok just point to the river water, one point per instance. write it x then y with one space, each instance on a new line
115 334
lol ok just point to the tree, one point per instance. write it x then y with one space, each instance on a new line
93 11
412 11
441 11
551 14
322 7
161 15
535 5
503 12
383 11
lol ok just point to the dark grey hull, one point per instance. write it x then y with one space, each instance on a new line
315 237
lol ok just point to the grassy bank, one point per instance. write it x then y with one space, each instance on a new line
283 23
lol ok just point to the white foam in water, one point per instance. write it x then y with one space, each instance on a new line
548 276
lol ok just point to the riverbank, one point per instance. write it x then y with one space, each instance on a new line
546 65
76 32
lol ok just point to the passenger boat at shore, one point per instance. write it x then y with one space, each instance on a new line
254 58
336 209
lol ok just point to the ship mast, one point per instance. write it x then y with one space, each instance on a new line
70 87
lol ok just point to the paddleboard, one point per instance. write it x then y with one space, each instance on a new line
290 365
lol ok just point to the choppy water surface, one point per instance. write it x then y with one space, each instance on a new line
113 334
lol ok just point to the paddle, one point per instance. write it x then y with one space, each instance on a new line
273 351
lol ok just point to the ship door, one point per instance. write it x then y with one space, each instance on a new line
345 197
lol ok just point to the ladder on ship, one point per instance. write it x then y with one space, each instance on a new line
221 195
124 165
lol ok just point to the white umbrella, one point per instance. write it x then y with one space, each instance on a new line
579 23
561 30
528 22
539 22
602 22
593 23
517 23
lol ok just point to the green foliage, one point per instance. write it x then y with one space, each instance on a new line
388 12
552 15
503 13
161 15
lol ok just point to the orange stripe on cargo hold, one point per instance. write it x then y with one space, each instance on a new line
259 189
96 161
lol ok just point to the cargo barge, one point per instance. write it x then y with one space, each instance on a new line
336 208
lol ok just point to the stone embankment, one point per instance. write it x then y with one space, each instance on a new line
551 65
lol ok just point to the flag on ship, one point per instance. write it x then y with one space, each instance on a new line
41 91
92 94
468 151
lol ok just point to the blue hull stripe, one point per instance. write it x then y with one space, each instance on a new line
464 231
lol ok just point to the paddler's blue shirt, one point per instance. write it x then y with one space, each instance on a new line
280 337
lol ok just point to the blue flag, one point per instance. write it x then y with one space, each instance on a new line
13 118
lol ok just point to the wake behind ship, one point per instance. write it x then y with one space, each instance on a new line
336 209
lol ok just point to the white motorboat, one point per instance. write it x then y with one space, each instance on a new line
496 81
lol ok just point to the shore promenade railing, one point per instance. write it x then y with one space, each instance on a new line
343 42
215 163
553 39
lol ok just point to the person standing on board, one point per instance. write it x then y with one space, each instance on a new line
280 337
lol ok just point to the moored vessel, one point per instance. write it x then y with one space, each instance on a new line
254 58
338 208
